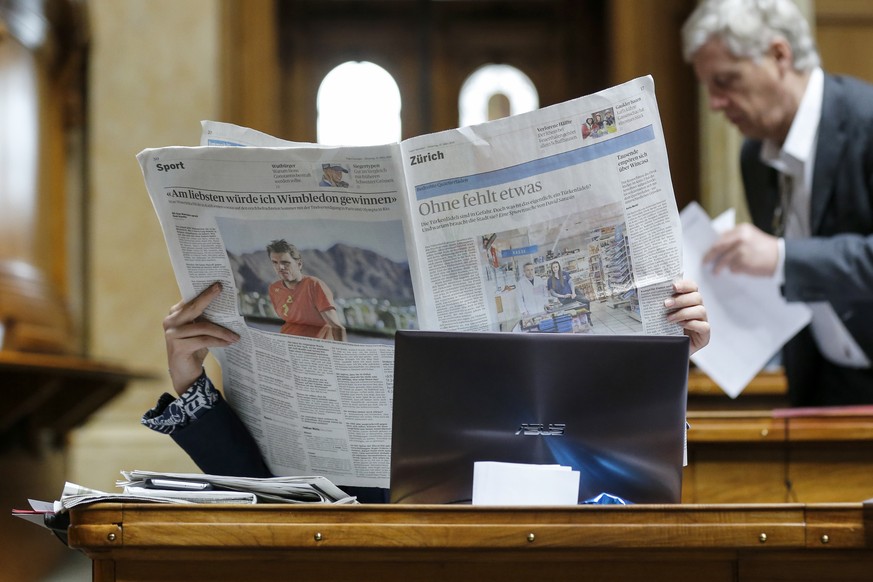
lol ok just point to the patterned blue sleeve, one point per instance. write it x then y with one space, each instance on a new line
171 414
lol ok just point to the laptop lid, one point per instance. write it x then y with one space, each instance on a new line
612 407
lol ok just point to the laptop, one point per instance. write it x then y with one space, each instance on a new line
611 407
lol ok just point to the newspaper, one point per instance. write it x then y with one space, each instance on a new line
315 489
443 231
75 495
186 488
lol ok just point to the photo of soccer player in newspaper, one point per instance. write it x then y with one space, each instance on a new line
326 279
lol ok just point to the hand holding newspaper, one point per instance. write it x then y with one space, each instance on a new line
534 223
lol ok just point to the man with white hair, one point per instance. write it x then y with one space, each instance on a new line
807 165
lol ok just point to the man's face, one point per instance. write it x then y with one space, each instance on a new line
529 271
749 93
334 175
287 267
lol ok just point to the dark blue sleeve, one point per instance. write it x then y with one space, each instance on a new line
220 444
210 432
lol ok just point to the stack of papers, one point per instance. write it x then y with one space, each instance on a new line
497 483
187 488
267 490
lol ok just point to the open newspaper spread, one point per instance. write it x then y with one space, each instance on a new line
532 224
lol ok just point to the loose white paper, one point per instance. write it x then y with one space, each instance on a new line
497 483
750 319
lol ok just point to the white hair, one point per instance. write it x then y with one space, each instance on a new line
748 27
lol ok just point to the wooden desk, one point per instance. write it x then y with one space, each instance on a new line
137 542
767 390
779 456
753 449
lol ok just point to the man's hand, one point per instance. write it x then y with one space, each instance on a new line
189 336
688 311
745 249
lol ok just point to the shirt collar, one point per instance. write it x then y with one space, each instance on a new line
799 147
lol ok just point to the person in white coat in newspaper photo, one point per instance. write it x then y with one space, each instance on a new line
199 419
531 292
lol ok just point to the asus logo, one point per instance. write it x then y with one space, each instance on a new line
554 429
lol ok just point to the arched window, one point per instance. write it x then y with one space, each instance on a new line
494 91
358 104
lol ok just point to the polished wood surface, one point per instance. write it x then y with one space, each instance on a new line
33 315
767 390
138 542
42 107
779 455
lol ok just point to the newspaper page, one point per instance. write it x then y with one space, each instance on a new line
315 407
558 220
537 222
218 133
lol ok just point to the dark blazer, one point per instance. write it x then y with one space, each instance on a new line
220 444
836 263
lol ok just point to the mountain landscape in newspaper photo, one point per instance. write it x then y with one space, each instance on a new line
350 272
